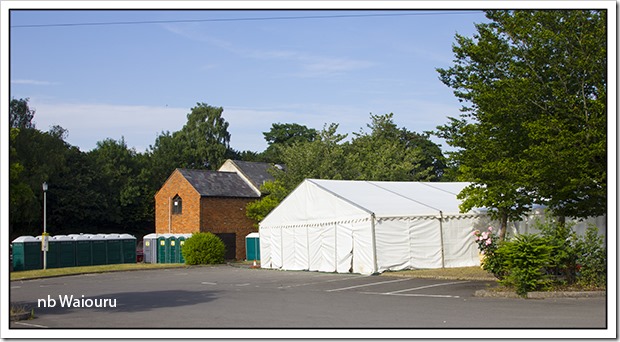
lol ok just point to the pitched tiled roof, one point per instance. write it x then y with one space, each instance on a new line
218 183
256 172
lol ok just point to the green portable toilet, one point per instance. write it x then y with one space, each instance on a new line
162 249
252 246
114 249
181 238
149 244
128 247
173 249
98 249
83 252
53 252
27 254
66 250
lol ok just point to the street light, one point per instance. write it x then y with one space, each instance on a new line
44 241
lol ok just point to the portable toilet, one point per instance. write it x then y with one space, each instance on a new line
83 252
27 253
149 243
66 250
128 247
181 238
252 246
98 249
163 249
114 248
173 249
53 252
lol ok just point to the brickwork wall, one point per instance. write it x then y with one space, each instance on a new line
186 222
227 215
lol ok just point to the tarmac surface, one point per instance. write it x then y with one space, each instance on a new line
241 298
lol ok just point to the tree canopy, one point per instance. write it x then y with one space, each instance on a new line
533 123
111 188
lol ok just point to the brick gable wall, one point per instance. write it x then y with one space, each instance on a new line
186 222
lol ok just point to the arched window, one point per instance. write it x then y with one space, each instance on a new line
177 205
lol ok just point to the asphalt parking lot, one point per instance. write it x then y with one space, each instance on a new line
230 297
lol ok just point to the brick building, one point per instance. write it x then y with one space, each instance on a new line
211 201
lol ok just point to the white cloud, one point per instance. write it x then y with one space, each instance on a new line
33 82
89 123
309 65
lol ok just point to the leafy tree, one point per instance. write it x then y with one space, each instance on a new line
323 158
390 154
533 124
205 138
19 192
274 192
283 135
42 156
121 184
202 143
20 114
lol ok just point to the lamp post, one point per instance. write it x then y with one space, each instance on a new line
44 241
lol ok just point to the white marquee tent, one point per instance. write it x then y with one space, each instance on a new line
369 227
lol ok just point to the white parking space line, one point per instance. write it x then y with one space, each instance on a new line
31 325
364 285
411 295
426 287
321 282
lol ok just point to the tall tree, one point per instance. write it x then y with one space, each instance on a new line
202 143
283 135
533 124
205 137
20 114
389 153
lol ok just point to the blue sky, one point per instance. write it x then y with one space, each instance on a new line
138 80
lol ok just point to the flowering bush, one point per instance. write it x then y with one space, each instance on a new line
487 242
487 245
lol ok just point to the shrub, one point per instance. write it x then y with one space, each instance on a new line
591 259
523 260
560 237
487 245
203 249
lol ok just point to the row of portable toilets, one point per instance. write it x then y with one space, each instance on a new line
74 250
103 249
166 248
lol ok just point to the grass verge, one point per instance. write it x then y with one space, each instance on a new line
58 272
458 273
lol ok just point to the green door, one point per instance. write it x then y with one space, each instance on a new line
128 247
161 249
98 249
83 252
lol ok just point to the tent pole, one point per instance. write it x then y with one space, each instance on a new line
374 243
443 258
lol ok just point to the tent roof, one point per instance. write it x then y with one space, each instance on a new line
317 200
397 198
